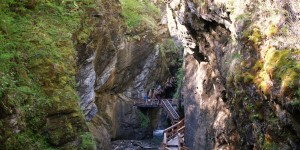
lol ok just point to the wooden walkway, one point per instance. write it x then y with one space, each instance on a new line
152 103
167 104
174 137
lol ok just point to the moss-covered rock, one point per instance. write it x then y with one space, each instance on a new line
62 128
37 86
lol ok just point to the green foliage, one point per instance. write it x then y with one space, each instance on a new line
280 67
298 92
179 76
236 56
257 116
145 120
258 65
26 140
139 12
88 142
255 36
270 146
248 77
244 17
37 66
169 46
272 30
295 103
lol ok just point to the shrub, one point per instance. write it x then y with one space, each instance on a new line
145 120
179 76
169 46
139 12
88 142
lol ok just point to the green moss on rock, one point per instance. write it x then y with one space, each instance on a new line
248 77
282 67
37 70
139 14
88 142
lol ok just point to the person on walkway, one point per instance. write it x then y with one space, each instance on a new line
157 93
151 94
145 98
168 83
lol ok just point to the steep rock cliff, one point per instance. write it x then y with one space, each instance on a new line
241 84
117 64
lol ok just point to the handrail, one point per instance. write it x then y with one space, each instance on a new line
171 111
150 101
181 130
168 110
172 131
176 116
180 123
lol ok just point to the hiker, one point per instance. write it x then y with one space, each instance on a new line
145 98
150 95
157 94
168 83
173 80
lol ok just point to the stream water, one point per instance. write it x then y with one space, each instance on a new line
147 144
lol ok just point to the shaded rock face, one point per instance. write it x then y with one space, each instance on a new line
135 67
86 77
11 121
115 67
234 96
128 122
209 122
104 34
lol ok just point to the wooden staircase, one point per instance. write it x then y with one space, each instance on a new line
173 115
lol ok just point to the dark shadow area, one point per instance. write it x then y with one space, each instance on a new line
200 57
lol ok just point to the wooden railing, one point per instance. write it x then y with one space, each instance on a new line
149 102
170 133
171 111
152 102
180 135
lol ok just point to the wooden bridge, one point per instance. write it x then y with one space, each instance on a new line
167 104
174 135
151 103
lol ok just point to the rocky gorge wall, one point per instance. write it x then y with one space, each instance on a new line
117 51
117 64
38 101
241 71
241 63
